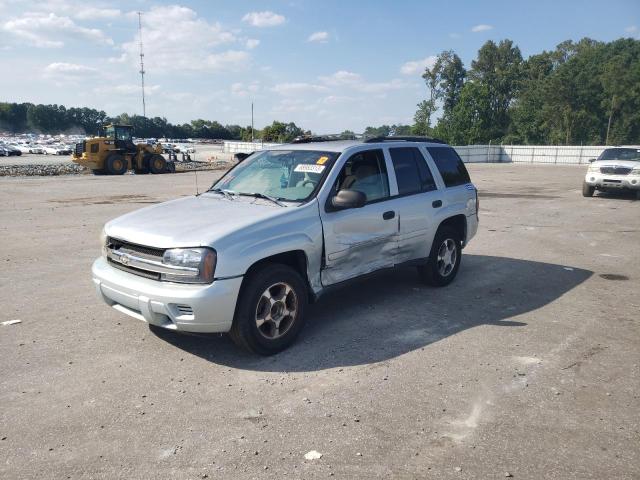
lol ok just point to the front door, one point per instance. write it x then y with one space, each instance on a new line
360 240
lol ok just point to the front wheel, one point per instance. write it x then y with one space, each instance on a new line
587 190
157 164
270 311
444 259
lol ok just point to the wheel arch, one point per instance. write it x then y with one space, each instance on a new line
296 259
457 222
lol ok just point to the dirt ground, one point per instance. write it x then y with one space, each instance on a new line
527 365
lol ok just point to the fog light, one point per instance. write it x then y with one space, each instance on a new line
593 179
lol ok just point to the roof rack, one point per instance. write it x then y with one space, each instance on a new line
334 137
404 139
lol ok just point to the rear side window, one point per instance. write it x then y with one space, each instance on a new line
412 172
450 166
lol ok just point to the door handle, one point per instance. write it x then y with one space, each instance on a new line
436 203
388 215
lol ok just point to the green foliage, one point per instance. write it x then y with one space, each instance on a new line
281 132
52 119
581 93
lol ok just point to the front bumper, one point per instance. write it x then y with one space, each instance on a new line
605 181
190 308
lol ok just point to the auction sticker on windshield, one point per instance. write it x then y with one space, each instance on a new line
306 168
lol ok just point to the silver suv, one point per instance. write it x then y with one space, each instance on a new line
284 226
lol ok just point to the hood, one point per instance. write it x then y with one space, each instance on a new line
616 163
191 221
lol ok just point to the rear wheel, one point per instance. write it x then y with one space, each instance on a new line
587 190
116 164
157 164
270 311
98 172
444 258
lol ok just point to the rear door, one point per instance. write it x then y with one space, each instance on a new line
418 199
360 240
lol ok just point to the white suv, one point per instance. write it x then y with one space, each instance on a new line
615 169
284 226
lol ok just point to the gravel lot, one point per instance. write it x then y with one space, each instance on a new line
528 365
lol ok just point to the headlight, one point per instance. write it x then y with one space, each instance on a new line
593 168
635 171
193 265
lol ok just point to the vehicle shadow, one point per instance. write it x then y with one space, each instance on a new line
617 195
392 313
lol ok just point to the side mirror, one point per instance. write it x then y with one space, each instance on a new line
591 160
241 156
349 199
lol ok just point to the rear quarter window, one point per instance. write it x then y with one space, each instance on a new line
450 166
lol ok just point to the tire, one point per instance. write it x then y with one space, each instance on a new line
98 172
587 190
441 269
171 167
157 164
115 164
269 293
637 194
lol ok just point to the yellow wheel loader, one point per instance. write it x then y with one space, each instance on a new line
113 153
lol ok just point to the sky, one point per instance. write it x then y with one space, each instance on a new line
325 65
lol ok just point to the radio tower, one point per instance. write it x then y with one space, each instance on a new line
144 107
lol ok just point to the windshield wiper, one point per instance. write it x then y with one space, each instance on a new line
266 197
227 193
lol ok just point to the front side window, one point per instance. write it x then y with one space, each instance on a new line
450 166
365 172
290 175
412 172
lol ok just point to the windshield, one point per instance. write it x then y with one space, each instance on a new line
621 154
290 175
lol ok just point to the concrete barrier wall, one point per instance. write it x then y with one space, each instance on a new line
559 155
567 155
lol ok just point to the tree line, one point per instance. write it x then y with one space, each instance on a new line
585 92
55 119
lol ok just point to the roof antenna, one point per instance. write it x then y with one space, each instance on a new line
144 107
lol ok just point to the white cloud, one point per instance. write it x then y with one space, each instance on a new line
239 89
92 13
454 35
414 67
68 68
342 77
252 43
51 31
319 37
298 88
632 30
65 74
183 41
130 89
263 19
481 28
77 9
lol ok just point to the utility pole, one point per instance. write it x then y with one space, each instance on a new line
613 101
251 122
144 107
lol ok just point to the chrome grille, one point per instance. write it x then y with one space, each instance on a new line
615 170
154 253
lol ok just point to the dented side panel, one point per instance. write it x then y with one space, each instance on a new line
358 241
